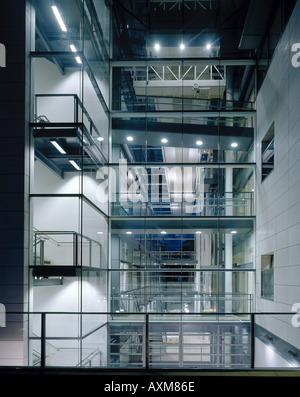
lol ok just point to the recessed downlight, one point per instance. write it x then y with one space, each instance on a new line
157 46
164 140
198 232
100 139
128 232
163 232
129 138
199 143
234 144
208 46
233 232
182 46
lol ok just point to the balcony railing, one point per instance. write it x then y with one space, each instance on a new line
151 340
65 248
204 204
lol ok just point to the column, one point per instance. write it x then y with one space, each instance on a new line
229 158
228 239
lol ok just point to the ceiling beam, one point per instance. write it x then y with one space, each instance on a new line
47 46
188 62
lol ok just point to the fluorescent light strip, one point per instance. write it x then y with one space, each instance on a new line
59 18
78 60
75 165
73 48
58 147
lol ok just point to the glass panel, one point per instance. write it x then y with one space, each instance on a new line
164 344
94 340
177 190
126 346
175 289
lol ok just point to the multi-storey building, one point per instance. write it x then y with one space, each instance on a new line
150 167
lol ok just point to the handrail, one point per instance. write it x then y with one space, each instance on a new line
90 357
148 319
75 243
61 232
78 102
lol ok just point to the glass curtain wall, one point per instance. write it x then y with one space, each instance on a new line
142 195
181 190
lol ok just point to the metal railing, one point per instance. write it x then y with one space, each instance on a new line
77 249
153 340
204 204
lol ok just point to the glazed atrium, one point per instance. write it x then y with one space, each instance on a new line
151 174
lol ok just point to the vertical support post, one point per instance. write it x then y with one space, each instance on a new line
90 253
75 249
43 340
252 340
42 252
76 109
147 341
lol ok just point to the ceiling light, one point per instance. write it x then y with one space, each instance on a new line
182 46
156 47
234 144
57 146
99 232
163 232
199 143
208 46
59 18
234 232
128 232
73 48
78 60
129 138
164 140
75 165
198 232
100 139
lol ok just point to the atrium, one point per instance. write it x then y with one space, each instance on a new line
154 210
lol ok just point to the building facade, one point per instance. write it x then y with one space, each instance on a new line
150 196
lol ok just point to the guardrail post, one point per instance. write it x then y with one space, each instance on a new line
42 252
75 249
147 341
43 340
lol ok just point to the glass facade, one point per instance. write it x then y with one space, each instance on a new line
142 189
143 194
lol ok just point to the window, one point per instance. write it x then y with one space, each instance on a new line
267 153
267 276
